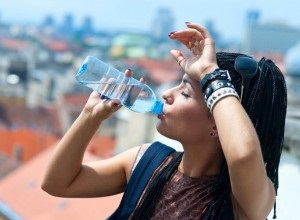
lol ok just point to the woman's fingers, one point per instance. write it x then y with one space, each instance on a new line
187 35
128 73
206 37
179 57
191 38
114 104
142 80
194 35
202 30
196 38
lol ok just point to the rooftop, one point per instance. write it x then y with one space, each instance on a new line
21 195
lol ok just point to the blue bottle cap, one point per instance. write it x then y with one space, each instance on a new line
157 108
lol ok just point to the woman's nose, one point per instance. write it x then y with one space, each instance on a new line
167 97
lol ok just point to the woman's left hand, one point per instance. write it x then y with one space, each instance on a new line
198 40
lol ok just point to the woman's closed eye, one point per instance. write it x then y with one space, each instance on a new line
185 94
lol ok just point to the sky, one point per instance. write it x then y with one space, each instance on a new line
229 16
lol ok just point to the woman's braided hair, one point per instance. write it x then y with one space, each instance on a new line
266 103
153 191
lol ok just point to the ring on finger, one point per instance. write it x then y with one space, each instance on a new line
196 43
180 60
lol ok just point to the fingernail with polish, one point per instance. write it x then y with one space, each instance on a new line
102 97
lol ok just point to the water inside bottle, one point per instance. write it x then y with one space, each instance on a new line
127 94
131 93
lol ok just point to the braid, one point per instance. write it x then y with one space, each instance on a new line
270 122
153 191
268 115
266 103
220 207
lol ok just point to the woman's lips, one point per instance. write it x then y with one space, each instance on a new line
161 116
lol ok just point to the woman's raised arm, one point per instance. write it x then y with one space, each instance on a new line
66 176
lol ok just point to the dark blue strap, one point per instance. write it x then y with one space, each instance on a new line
151 159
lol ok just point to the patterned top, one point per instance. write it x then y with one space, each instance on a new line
184 197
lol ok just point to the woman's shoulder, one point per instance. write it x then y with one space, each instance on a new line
154 150
140 152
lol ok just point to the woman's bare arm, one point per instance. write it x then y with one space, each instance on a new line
66 176
253 192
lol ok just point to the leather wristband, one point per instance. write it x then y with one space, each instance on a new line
215 85
216 74
219 94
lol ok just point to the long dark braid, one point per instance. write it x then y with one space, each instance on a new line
221 207
153 191
266 103
269 121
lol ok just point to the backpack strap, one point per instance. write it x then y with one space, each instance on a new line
152 158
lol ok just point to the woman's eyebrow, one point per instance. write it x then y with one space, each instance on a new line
187 80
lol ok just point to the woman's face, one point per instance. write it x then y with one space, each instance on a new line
186 117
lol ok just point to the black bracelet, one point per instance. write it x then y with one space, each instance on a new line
215 85
216 74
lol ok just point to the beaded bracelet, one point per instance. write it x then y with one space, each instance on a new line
218 95
215 85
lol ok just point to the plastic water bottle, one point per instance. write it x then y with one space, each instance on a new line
113 84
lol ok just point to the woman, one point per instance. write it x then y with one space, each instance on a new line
231 129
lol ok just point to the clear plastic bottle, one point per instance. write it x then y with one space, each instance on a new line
113 84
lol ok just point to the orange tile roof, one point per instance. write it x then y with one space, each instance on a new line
56 45
13 44
21 192
102 146
31 142
74 102
7 164
30 129
16 115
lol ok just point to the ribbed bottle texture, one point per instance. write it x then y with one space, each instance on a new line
113 84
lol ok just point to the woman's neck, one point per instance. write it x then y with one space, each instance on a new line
202 160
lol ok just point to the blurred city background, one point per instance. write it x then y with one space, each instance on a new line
42 45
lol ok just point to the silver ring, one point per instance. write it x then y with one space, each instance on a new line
196 43
180 60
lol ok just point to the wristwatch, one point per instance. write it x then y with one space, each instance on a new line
216 74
